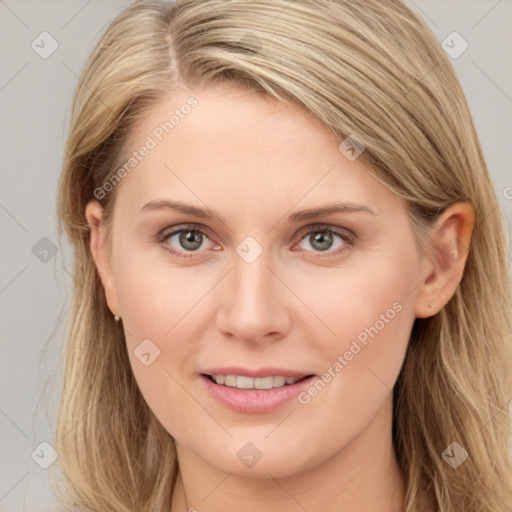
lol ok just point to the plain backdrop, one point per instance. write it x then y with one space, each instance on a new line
35 282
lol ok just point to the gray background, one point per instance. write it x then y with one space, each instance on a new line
35 98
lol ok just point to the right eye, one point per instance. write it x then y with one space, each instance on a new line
182 240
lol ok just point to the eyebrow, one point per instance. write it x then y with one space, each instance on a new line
207 213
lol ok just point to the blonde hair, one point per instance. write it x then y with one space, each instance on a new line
370 68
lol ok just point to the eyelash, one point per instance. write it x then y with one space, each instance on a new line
346 236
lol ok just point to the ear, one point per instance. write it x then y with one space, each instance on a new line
93 214
450 239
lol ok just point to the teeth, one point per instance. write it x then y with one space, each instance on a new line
243 382
264 383
230 380
278 382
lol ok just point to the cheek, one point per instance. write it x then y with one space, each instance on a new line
358 301
155 296
160 305
368 312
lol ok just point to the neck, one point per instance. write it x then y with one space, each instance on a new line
363 476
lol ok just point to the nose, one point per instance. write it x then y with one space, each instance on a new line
254 303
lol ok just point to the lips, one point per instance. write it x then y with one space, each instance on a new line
255 391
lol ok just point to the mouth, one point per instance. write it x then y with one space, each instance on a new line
262 392
245 382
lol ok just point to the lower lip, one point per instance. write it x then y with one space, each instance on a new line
255 400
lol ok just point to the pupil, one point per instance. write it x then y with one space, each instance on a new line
323 239
187 240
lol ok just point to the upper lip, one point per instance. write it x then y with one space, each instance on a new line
261 372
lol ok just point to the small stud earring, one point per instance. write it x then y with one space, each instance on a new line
117 318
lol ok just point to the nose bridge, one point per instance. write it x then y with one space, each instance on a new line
253 280
253 304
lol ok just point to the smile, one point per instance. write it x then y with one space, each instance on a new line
244 382
255 395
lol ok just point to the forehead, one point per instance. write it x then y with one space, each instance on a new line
230 146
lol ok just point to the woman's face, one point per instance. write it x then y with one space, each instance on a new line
292 263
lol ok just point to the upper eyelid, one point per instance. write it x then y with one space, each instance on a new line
327 227
169 230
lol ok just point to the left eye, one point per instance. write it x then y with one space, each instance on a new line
322 239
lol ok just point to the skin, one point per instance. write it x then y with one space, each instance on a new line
255 161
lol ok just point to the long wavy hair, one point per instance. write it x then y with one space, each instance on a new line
366 67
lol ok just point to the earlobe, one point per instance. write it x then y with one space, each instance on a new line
450 240
93 214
